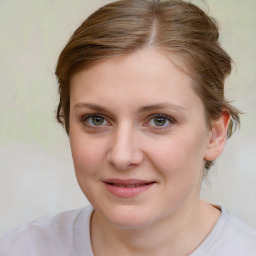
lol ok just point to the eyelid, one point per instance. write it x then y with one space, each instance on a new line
167 117
171 119
86 117
149 118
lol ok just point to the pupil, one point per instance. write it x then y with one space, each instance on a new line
160 121
97 120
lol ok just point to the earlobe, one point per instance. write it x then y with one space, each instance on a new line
217 137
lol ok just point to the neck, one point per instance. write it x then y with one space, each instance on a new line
177 235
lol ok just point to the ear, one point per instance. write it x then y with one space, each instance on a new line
217 137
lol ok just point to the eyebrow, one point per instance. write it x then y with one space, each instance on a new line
90 106
168 105
146 108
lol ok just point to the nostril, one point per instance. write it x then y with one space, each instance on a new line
124 161
124 151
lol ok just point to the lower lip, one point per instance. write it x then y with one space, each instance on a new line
126 192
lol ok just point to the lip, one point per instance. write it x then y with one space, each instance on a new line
127 188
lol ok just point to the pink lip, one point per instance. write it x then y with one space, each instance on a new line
127 188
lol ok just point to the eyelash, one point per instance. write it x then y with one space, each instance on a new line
165 117
171 120
85 118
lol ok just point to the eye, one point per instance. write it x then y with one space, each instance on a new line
160 120
94 120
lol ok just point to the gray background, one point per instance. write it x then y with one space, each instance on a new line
36 171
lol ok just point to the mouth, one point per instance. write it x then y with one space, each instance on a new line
129 185
127 188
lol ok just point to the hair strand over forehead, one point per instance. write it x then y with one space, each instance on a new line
180 29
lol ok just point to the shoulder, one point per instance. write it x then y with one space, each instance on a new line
238 234
44 236
229 237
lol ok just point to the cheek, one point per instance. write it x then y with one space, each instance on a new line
179 155
87 155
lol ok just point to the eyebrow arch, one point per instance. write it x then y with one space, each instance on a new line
90 106
161 106
146 108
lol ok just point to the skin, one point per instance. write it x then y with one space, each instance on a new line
125 141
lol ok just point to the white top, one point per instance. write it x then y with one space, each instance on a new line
68 234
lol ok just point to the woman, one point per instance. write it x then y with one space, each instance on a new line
142 100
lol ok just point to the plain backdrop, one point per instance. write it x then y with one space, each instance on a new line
36 172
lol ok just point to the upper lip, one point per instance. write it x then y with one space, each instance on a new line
128 181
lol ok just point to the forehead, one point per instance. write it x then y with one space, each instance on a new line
144 76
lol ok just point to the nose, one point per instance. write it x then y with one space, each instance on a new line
125 152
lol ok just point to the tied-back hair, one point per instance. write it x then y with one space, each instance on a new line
181 30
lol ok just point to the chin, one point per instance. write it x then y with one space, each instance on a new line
129 218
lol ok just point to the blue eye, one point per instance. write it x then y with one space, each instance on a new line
94 120
160 121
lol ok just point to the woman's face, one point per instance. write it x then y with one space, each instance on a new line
138 137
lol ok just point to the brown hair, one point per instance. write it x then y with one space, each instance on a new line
174 26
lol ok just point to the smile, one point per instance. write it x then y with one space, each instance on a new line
127 188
